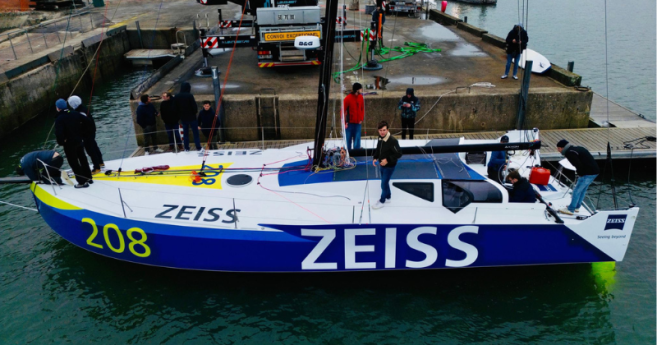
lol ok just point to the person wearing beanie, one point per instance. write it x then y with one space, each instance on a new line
188 111
171 120
516 42
42 166
88 134
497 162
353 113
409 105
587 170
68 131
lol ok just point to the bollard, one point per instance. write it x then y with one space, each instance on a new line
571 66
465 19
443 6
45 40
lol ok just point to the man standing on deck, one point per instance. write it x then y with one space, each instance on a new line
497 162
146 118
206 119
409 105
387 153
89 134
187 109
587 169
68 130
354 113
170 117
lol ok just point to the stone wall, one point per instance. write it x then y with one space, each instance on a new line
29 94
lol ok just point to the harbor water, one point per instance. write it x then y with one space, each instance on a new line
54 292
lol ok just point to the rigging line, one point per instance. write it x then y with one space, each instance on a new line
61 55
223 89
298 205
23 207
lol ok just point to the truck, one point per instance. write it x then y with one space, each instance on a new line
273 30
404 6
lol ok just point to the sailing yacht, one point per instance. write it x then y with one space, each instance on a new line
291 210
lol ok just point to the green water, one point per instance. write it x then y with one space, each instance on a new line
54 292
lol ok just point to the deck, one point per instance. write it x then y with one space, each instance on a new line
594 139
619 116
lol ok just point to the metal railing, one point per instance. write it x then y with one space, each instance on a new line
22 42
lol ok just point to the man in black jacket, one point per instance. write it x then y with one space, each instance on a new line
146 118
587 170
516 42
387 153
170 117
68 130
207 123
89 134
187 109
522 189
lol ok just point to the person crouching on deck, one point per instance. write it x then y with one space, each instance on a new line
354 113
42 166
522 189
587 169
387 153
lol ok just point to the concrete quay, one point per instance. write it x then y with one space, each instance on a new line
441 80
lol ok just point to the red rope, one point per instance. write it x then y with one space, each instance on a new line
102 38
221 96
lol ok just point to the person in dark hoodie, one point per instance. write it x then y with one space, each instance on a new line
387 154
587 170
42 166
206 123
522 189
497 162
409 105
89 134
516 42
146 118
187 109
170 117
68 131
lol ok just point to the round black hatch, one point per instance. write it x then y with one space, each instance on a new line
239 180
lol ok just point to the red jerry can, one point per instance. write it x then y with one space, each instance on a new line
539 176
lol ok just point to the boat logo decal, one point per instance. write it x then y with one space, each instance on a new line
194 213
615 222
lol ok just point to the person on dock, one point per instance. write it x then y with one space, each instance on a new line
171 119
68 131
387 153
353 115
207 124
42 166
147 119
409 105
522 189
516 42
375 15
89 134
497 162
587 170
187 109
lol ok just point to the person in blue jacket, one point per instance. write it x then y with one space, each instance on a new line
409 105
522 189
497 162
41 166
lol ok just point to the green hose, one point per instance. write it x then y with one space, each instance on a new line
409 49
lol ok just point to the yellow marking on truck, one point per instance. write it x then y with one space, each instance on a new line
290 36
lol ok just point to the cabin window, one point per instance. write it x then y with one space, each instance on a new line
422 190
459 194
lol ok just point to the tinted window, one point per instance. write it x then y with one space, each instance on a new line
459 194
423 190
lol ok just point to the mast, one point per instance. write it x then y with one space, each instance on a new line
325 81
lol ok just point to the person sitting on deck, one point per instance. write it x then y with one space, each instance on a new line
522 189
42 166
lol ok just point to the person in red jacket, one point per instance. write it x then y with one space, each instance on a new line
353 114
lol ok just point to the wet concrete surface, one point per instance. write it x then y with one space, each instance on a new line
464 59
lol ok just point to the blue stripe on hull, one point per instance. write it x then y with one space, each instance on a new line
284 251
